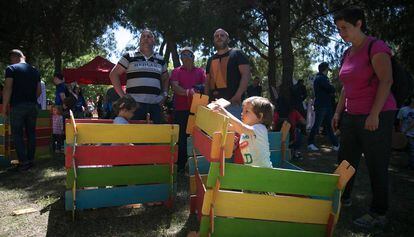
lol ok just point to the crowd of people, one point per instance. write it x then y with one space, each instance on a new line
364 112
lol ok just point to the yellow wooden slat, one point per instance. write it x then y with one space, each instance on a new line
209 121
43 122
122 133
268 207
2 150
193 183
198 100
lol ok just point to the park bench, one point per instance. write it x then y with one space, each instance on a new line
241 200
104 170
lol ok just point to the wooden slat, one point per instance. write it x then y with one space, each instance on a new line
43 132
276 158
107 121
190 124
122 133
120 155
43 122
243 177
268 207
201 190
190 147
243 227
209 121
198 100
117 196
193 186
203 165
2 130
44 114
210 147
290 166
119 175
275 139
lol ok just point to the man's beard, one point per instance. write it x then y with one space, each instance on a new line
221 45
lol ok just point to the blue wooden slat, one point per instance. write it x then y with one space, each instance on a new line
275 140
190 147
288 165
203 165
276 158
4 162
117 196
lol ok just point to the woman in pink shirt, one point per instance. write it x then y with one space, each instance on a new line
185 80
366 108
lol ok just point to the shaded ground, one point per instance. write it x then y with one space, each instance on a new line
43 188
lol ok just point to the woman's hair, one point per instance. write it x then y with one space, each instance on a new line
262 106
126 102
351 15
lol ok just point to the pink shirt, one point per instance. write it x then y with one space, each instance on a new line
187 80
360 82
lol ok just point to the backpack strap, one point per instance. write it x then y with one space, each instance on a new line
344 56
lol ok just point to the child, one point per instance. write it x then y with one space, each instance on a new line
124 108
406 117
257 117
57 129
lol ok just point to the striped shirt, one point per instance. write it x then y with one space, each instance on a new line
144 76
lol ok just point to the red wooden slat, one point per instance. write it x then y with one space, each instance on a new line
43 132
203 143
201 190
238 158
120 155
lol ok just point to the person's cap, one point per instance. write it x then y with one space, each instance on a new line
323 66
189 49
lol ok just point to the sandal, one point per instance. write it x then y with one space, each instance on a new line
370 220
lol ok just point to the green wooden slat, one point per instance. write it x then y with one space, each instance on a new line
246 227
43 123
244 177
43 114
119 175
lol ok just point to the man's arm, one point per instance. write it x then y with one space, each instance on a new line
114 75
244 81
7 91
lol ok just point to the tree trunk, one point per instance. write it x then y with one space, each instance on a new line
287 50
161 50
58 60
271 69
174 54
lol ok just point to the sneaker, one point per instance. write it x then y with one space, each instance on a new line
312 147
369 220
335 148
346 202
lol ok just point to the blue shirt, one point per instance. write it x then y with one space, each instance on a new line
324 92
59 89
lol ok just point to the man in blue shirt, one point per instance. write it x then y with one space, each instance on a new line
21 89
324 97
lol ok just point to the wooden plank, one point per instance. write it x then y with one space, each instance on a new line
243 177
44 114
290 166
190 147
345 172
210 122
268 207
43 132
107 121
201 190
203 143
24 211
275 139
243 227
276 158
193 186
117 196
122 133
120 155
190 124
2 130
198 100
203 165
43 122
118 175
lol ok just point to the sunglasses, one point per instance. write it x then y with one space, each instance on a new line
186 55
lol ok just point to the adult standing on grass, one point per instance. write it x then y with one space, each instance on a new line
367 109
184 80
228 73
147 78
21 89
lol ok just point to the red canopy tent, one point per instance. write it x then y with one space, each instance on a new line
94 72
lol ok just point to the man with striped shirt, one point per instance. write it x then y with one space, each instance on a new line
147 78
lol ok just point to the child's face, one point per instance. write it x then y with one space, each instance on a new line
127 114
248 116
54 111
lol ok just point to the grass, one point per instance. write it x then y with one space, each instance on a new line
43 188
